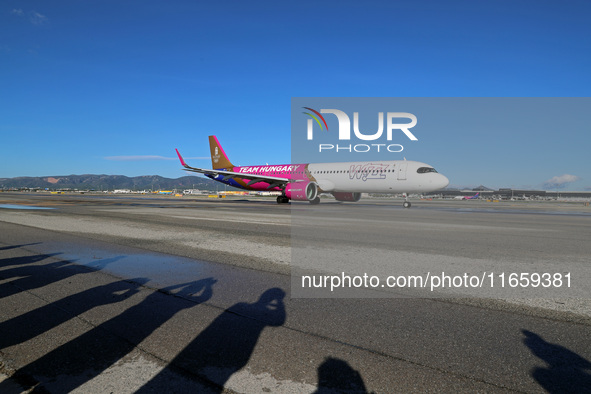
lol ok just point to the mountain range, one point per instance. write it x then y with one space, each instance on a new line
110 182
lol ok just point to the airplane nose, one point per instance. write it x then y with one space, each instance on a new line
443 181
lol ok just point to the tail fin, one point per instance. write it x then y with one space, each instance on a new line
218 156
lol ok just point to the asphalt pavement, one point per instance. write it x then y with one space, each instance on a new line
128 294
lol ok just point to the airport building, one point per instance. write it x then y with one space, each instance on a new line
516 194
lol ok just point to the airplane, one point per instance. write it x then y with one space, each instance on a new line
467 197
304 182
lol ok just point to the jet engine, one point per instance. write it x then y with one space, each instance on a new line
343 196
302 191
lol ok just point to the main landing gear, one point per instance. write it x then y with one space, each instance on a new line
282 200
285 200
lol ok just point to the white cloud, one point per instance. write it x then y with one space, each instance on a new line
137 158
559 182
37 18
147 157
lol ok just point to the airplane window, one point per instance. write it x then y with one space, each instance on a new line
424 170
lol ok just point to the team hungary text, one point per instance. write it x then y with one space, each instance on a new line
345 132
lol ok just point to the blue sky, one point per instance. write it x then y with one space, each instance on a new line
82 82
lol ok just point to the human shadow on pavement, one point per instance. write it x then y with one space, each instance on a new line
337 376
34 276
566 371
226 345
18 246
37 321
22 260
88 355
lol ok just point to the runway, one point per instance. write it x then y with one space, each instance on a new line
145 294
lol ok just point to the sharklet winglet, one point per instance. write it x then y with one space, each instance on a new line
181 158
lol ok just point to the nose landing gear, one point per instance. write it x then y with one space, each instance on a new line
406 203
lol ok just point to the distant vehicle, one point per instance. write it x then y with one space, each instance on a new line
477 195
304 182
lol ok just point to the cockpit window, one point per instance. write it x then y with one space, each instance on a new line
424 170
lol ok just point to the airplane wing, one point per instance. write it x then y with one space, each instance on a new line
273 181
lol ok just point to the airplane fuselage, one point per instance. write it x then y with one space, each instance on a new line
394 176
